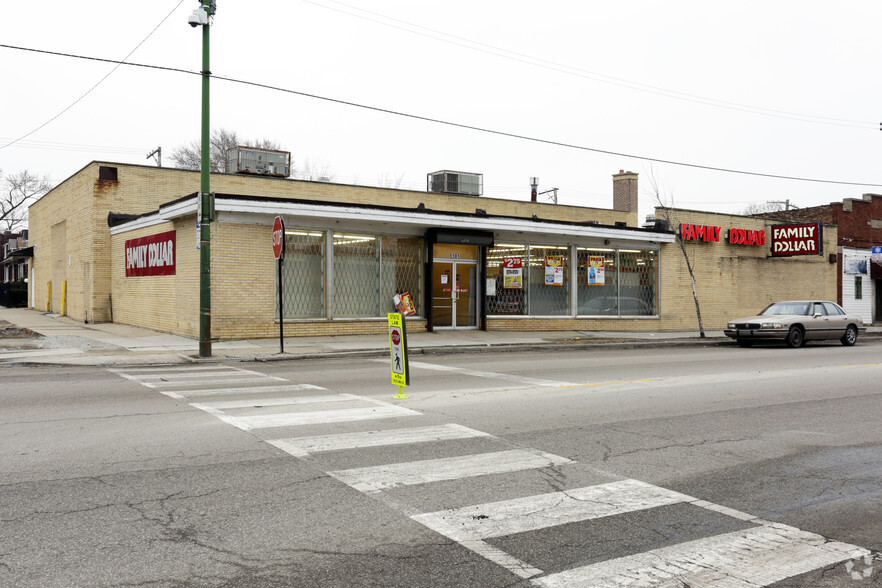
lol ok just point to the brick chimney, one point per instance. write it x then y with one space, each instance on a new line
625 192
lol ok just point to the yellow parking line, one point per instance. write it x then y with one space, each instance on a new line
605 383
862 364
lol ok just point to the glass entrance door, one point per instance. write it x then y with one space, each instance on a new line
454 294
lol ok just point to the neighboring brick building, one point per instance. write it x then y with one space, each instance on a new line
117 242
860 230
13 268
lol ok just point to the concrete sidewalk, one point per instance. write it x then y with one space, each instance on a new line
63 341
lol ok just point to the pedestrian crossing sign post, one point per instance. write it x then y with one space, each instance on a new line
398 353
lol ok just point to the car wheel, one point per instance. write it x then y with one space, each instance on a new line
795 337
744 343
850 336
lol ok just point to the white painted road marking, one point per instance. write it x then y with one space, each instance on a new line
762 555
484 521
258 402
742 559
296 419
490 375
303 446
192 375
235 391
375 479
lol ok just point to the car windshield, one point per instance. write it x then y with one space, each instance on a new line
785 308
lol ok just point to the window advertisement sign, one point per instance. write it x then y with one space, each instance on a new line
855 264
513 272
554 270
802 239
151 256
596 270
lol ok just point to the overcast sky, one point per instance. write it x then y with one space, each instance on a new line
786 88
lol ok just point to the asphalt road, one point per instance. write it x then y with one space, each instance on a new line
712 466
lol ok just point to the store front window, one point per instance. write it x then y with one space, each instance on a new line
362 274
303 275
596 287
549 281
617 282
506 267
537 280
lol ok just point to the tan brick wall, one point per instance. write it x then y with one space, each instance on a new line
242 288
164 303
82 203
736 280
731 280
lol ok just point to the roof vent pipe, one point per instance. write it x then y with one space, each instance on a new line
534 189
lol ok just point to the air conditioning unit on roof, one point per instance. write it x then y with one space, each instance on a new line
264 162
452 182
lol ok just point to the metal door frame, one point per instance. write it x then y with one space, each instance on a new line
475 287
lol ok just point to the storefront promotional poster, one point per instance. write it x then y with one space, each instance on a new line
512 272
596 271
554 270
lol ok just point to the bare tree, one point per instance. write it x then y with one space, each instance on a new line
189 156
763 207
19 190
390 180
667 215
314 171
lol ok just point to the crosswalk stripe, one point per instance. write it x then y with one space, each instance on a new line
294 419
371 480
269 389
193 376
163 370
484 521
758 556
303 446
261 402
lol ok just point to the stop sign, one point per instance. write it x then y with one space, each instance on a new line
278 237
396 336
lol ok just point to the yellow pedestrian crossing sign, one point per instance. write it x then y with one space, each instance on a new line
398 352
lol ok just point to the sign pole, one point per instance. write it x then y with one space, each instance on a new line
279 253
398 353
281 318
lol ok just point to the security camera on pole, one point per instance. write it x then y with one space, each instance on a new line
200 17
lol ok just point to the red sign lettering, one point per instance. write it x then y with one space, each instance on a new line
689 232
746 237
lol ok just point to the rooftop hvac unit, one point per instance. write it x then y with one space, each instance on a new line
262 162
451 182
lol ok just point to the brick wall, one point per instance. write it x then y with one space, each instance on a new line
731 280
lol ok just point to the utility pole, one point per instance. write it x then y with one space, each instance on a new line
158 153
786 203
201 17
553 193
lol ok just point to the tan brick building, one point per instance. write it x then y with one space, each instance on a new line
118 242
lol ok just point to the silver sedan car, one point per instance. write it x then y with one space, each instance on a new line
795 322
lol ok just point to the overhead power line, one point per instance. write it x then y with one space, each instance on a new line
98 83
458 125
503 53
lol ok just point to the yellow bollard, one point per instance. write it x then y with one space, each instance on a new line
49 296
64 298
401 393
